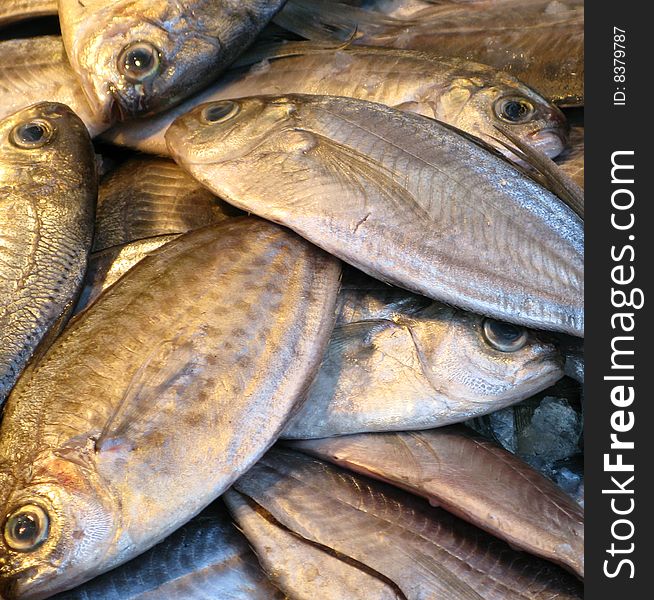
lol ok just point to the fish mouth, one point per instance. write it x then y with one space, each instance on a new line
548 141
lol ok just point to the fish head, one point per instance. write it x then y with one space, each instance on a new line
487 364
137 57
481 104
56 527
41 134
227 130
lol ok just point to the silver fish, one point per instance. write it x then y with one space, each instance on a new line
12 11
138 56
572 161
156 399
470 96
401 197
397 362
48 187
206 559
149 196
472 478
424 551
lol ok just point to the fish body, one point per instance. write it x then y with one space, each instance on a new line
423 551
401 197
151 196
397 361
572 160
206 559
157 398
137 57
37 70
472 478
304 571
13 11
470 96
541 42
48 187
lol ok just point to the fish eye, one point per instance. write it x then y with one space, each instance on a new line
514 110
26 528
219 112
32 134
139 61
504 336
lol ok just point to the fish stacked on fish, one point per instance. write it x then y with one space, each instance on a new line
340 247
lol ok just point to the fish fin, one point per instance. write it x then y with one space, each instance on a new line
553 177
361 331
138 412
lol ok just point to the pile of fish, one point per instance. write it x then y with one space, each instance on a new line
291 299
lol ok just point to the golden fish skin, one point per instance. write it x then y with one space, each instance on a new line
150 196
424 551
401 197
12 11
48 187
302 570
136 57
470 96
37 70
158 397
473 479
538 41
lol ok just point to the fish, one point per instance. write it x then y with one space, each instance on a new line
150 196
107 266
154 400
572 160
206 559
48 188
472 478
397 362
36 70
13 11
302 570
401 197
540 42
135 57
467 95
424 551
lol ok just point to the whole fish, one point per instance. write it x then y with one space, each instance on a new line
424 551
401 197
109 265
138 57
206 559
572 160
472 478
397 361
12 11
36 70
304 571
156 399
149 196
48 187
470 96
541 42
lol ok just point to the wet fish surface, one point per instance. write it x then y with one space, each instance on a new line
13 11
304 571
154 400
418 204
206 559
467 95
48 187
37 70
137 56
541 42
109 265
424 551
572 160
472 478
149 196
397 361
